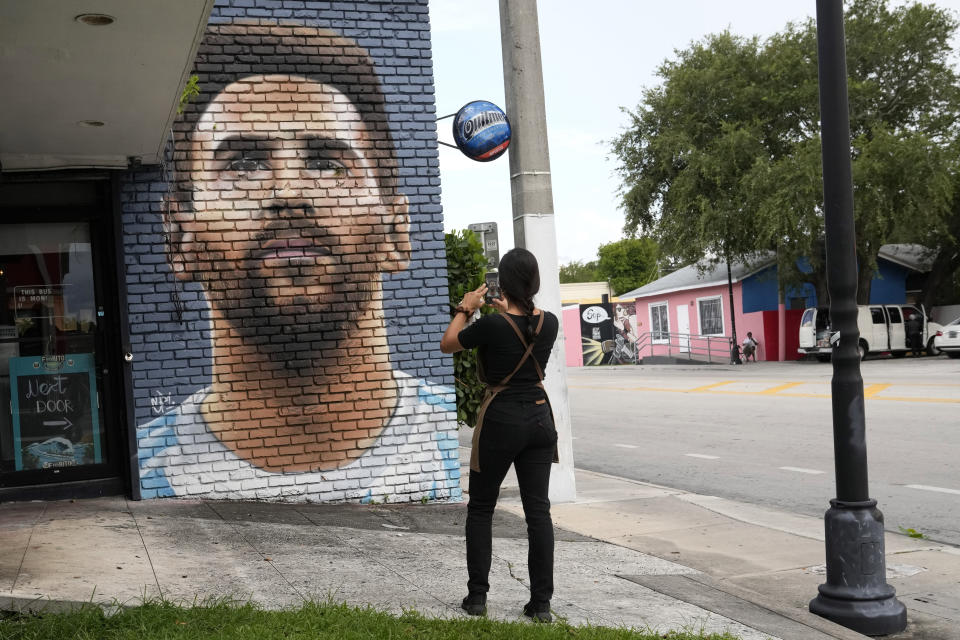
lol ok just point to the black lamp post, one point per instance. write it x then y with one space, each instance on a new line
856 594
735 348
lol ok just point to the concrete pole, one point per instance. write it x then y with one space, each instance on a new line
533 225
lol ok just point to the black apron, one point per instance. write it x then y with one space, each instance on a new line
492 390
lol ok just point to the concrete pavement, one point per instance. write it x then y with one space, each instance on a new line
748 556
628 554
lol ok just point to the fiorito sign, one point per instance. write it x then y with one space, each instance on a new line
56 419
481 130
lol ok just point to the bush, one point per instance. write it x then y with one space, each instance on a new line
466 265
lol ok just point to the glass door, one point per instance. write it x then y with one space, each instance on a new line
52 428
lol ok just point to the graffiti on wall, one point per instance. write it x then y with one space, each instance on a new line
284 208
596 334
608 333
624 333
160 402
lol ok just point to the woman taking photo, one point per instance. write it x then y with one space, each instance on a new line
514 424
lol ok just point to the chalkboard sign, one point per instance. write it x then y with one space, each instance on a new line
56 419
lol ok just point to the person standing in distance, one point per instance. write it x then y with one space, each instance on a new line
914 331
514 426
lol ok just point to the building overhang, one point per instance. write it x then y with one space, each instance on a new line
81 94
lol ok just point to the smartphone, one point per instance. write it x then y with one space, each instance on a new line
493 286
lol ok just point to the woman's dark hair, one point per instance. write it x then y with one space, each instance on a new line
520 280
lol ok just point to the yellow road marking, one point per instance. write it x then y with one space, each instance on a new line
873 390
600 388
924 384
804 395
708 387
869 392
895 398
777 389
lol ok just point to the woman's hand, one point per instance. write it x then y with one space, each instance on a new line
473 300
500 304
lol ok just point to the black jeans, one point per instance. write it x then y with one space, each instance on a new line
521 433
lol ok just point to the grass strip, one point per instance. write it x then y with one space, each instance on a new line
232 621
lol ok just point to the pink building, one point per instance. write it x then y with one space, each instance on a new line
686 314
571 335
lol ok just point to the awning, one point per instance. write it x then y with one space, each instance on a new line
82 90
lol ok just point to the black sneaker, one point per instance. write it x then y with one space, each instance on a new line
475 604
538 613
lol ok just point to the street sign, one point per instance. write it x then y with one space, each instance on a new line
487 232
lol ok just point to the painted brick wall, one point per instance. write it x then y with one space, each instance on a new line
286 274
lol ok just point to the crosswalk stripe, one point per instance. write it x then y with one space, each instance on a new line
925 487
802 470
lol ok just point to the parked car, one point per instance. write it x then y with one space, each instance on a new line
948 339
882 329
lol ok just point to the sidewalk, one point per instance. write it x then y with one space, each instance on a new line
747 559
628 554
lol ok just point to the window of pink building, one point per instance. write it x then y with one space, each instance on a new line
710 316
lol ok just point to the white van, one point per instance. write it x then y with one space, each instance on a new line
881 329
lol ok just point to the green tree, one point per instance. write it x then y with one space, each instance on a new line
722 159
903 107
578 271
683 157
688 148
466 265
629 263
942 282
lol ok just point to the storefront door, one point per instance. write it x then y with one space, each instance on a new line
54 365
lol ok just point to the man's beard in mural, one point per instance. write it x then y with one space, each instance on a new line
291 291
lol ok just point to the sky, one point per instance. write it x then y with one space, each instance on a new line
595 62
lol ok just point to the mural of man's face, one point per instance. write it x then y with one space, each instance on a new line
284 205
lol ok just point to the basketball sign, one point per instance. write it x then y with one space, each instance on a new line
481 131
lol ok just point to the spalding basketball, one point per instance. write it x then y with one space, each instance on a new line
481 131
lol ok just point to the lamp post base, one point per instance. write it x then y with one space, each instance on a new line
735 355
856 594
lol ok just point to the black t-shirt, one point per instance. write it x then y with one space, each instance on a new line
500 350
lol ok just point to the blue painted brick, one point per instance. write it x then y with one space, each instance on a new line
153 483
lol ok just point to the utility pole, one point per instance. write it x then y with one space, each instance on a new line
856 593
532 195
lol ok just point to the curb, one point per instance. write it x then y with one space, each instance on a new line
746 607
32 606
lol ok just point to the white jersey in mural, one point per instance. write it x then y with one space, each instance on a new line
416 456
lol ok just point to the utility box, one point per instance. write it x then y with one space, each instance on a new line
487 231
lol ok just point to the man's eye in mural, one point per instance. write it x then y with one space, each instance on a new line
325 168
244 166
315 168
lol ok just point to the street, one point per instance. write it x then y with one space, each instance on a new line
761 433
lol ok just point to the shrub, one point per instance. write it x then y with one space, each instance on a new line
466 265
